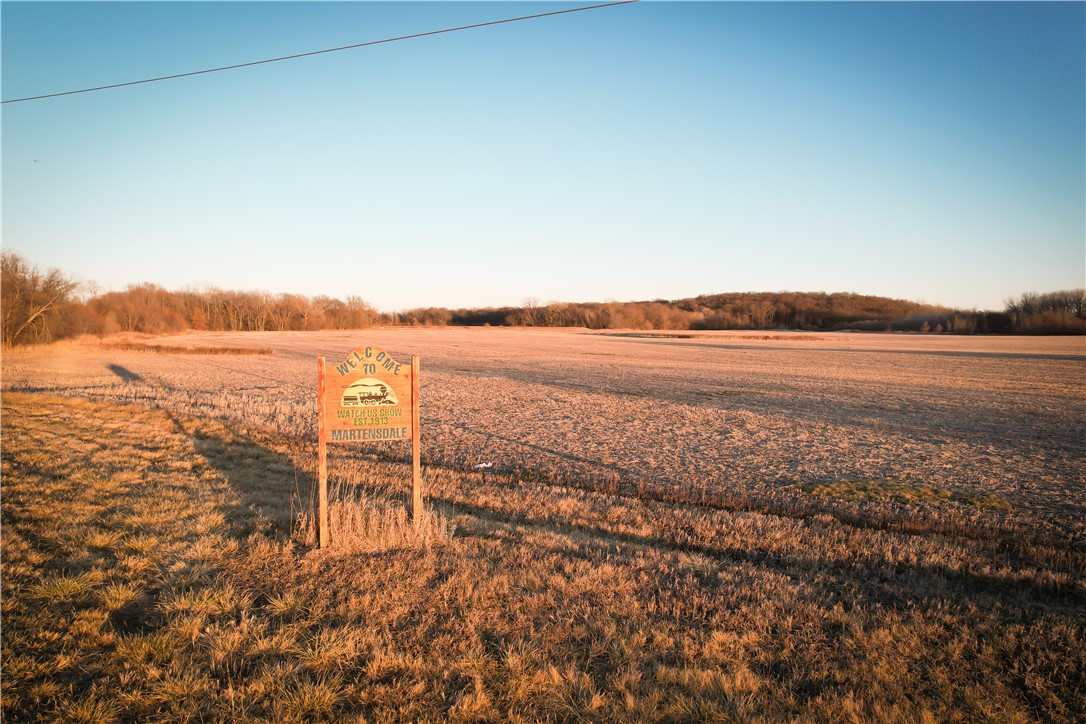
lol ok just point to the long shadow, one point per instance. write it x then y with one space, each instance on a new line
898 586
124 373
540 448
268 482
273 490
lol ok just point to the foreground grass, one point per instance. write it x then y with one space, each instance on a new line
151 573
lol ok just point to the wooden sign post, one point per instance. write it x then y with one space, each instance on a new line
368 397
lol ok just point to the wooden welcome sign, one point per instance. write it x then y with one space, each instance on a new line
369 396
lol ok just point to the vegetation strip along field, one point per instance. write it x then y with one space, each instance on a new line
43 306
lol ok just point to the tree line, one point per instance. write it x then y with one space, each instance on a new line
42 306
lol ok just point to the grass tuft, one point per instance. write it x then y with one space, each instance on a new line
57 588
89 711
312 699
117 596
286 604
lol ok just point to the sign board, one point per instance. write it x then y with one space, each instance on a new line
369 396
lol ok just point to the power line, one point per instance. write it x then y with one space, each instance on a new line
320 52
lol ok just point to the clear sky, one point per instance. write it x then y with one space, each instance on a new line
926 151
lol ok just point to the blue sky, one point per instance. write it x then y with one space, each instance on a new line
927 151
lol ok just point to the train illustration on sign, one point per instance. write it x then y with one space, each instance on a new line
368 391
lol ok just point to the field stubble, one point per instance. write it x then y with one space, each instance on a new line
850 525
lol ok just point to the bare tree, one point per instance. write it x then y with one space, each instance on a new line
532 312
32 301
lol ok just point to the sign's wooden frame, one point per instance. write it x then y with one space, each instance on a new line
326 423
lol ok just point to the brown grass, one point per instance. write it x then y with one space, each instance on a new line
170 575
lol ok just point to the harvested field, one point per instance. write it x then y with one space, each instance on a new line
694 526
998 423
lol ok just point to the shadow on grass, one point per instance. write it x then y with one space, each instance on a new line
267 481
868 580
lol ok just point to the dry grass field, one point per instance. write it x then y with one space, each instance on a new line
624 527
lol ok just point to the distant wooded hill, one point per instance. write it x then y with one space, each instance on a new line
41 306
